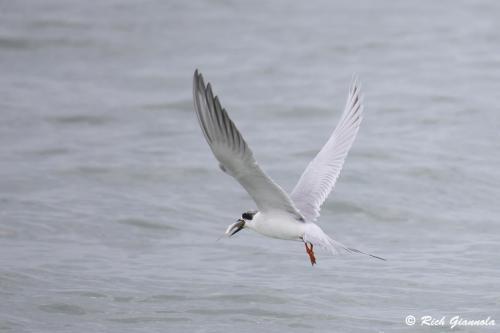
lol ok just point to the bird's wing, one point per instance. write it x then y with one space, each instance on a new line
233 153
320 176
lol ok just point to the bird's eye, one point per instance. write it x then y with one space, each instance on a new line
247 216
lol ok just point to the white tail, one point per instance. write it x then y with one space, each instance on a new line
314 235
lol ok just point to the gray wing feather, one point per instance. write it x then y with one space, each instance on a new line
320 176
233 153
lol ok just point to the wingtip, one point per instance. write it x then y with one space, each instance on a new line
209 90
198 77
198 80
355 83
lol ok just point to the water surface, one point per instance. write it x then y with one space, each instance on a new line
111 202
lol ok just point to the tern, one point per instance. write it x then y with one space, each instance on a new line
279 215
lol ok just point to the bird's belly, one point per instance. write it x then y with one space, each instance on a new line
280 228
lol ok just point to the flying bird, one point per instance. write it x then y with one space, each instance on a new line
278 214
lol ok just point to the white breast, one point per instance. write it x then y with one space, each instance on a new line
277 225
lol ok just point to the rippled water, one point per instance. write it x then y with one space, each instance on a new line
111 202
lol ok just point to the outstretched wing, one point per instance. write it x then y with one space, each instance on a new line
320 176
233 153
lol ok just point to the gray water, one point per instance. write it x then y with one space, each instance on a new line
111 201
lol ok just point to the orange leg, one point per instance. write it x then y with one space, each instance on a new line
310 252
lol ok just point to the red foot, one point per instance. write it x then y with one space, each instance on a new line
310 252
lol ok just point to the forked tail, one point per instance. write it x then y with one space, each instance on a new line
350 249
318 237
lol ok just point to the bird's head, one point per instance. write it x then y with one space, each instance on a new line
240 224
